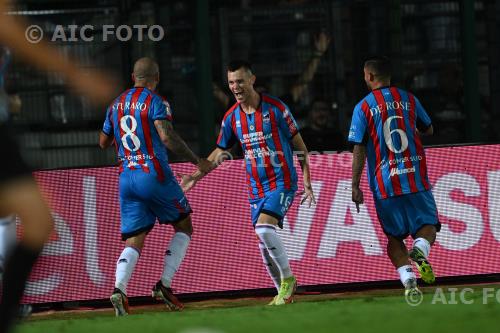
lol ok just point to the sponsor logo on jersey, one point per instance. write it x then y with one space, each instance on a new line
396 171
266 117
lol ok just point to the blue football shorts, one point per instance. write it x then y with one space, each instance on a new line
143 199
404 215
275 203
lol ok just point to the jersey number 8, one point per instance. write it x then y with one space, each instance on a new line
129 133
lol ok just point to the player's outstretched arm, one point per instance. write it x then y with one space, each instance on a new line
358 164
175 143
303 156
321 43
216 157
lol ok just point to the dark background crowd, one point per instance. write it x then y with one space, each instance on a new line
309 53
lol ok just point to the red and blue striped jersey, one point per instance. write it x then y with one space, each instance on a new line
386 120
130 119
265 137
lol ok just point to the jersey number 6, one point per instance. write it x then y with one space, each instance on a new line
388 136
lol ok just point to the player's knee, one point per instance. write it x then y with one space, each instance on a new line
136 242
185 226
428 232
267 219
186 230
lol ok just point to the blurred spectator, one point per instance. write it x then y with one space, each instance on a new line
294 97
450 116
299 88
318 135
296 92
222 101
281 48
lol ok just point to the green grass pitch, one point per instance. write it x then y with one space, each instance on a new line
373 311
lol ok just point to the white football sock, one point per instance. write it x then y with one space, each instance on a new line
267 235
271 267
125 267
7 238
174 256
424 245
405 273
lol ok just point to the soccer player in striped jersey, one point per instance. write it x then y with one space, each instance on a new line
267 132
386 128
140 123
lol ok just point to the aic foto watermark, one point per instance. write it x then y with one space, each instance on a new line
89 33
454 295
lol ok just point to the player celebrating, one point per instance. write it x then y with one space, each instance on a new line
139 121
266 130
386 126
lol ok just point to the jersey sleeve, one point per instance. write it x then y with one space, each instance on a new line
358 130
160 109
287 123
423 119
226 138
107 128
